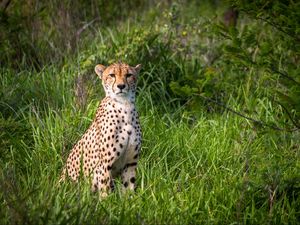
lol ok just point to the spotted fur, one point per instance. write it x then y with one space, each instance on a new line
111 145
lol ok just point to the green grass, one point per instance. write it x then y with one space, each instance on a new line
212 169
199 164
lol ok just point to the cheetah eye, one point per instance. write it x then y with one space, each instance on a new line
112 75
128 75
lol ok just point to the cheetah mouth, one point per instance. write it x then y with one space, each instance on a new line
121 93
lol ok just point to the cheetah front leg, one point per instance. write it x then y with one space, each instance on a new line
102 180
128 176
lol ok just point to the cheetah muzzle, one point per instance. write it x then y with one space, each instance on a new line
111 145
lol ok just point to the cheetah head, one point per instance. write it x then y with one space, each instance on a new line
118 80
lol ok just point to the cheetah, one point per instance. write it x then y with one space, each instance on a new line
111 145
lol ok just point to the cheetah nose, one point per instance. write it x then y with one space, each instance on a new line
121 86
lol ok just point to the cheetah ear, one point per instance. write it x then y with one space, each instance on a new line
138 68
99 70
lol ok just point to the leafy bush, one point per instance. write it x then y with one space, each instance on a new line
259 56
36 32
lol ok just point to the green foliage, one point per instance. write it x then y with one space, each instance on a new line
199 164
214 171
37 32
277 48
260 57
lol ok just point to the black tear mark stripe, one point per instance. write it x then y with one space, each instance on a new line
126 78
113 85
131 164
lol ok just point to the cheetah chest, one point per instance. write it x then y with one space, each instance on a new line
121 136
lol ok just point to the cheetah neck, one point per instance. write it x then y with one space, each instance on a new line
123 99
